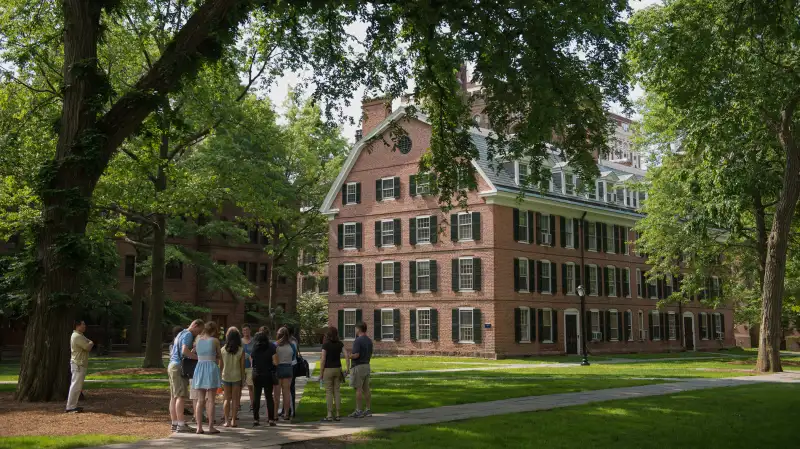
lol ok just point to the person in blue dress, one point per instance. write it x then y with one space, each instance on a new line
207 378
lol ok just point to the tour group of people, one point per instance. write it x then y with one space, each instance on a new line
243 360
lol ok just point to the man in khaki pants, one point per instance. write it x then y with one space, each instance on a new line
179 385
79 347
359 379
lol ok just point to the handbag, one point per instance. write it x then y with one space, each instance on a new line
187 367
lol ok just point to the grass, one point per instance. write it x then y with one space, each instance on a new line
96 385
9 371
666 355
414 391
62 442
752 416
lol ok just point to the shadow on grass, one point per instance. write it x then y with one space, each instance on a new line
62 442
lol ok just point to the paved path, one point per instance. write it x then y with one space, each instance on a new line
274 437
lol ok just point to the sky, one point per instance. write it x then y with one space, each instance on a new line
279 90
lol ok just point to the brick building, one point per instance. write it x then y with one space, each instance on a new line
498 279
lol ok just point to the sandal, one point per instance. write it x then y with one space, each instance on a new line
214 432
327 419
200 432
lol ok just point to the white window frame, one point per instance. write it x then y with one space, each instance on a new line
656 317
553 184
639 286
526 273
610 240
544 228
384 197
594 284
427 228
385 290
613 324
672 332
345 234
547 331
462 328
354 193
703 317
466 278
384 334
718 331
612 286
523 230
630 320
667 285
652 283
384 233
518 171
465 224
642 328
525 324
423 182
592 234
569 180
546 284
571 284
626 272
597 335
347 326
420 276
354 279
626 247
421 326
570 233
715 287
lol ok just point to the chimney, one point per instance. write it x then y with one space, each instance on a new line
373 112
359 135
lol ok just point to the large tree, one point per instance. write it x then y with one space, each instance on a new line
551 67
731 71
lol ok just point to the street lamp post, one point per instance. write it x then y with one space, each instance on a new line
582 295
108 327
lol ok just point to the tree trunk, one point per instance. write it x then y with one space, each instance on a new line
753 330
761 235
155 331
139 284
769 359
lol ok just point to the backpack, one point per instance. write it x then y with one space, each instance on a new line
302 368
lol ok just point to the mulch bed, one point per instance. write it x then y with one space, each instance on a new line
142 413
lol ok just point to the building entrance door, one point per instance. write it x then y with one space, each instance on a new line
688 333
572 333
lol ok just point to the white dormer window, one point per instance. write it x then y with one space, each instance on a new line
601 188
523 171
569 184
556 184
611 196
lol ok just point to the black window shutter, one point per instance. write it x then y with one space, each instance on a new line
712 329
605 281
378 278
359 279
619 282
412 235
359 236
599 241
585 235
576 236
530 227
650 324
620 331
587 325
516 225
608 325
660 284
398 233
477 326
378 190
601 283
455 325
397 277
454 227
434 230
615 230
397 187
564 278
434 325
553 278
664 334
516 274
531 275
552 230
538 228
577 272
397 328
623 231
540 324
340 279
412 324
412 275
626 322
476 272
601 316
344 194
476 226
340 235
358 193
554 323
376 324
678 325
359 316
412 185
517 324
378 239
587 278
454 272
434 276
540 280
562 231
604 237
341 323
722 325
642 282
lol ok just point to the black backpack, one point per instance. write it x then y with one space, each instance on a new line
302 368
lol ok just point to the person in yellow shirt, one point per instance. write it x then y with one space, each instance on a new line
79 347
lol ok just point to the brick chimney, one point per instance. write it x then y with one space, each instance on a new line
373 112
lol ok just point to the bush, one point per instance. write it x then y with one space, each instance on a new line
312 312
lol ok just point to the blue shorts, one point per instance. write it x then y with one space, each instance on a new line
285 371
231 384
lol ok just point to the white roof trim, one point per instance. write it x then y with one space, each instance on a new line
492 188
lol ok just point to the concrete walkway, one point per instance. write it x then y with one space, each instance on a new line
274 437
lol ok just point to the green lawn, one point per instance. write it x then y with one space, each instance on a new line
415 391
62 442
96 385
10 370
747 417
666 355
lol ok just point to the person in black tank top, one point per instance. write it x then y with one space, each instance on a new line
331 371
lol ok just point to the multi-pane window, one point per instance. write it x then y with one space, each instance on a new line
387 233
597 335
569 233
656 325
545 229
629 325
547 326
465 328
641 326
423 324
323 284
570 279
387 277
718 326
671 323
668 285
620 196
465 226
545 267
525 324
350 324
569 184
625 247
610 240
523 172
349 235
349 278
387 324
556 182
652 289
591 231
626 282
352 196
593 284
423 230
523 226
387 188
704 326
611 197
639 286
523 275
423 275
465 274
423 184
715 287
613 325
611 281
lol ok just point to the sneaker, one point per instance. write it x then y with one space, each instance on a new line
73 410
336 418
356 414
174 427
273 424
256 423
366 413
183 428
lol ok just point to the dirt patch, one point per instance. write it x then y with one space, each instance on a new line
142 413
129 371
